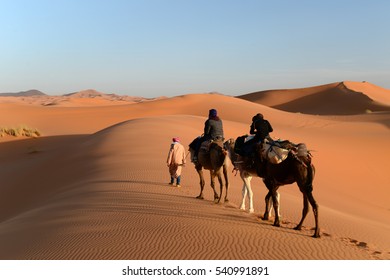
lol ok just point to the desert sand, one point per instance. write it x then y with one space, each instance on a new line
94 185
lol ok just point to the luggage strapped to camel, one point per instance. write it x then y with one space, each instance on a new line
275 151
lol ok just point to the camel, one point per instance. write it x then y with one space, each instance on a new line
212 157
294 169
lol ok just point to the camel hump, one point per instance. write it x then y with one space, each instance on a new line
217 144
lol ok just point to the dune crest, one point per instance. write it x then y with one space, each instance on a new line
375 92
343 98
88 93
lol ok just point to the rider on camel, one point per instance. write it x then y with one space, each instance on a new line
213 130
261 128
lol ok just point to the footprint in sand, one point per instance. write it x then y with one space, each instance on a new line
362 245
358 243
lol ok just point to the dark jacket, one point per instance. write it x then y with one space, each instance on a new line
261 128
213 129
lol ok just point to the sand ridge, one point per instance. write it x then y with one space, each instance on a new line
342 98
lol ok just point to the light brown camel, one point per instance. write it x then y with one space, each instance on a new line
212 156
294 169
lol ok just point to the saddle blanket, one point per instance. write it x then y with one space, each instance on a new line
205 146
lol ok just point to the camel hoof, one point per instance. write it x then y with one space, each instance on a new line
226 200
297 228
277 224
265 218
316 235
199 197
251 211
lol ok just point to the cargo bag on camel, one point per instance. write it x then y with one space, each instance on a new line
274 151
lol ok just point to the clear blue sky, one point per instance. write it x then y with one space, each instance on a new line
172 47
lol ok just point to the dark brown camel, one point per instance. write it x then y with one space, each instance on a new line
296 168
212 157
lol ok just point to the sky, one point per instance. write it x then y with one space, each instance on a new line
156 48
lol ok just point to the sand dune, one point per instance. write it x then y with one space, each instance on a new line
95 185
375 92
83 98
344 98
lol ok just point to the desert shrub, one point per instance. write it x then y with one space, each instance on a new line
19 131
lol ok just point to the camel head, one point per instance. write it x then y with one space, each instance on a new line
229 147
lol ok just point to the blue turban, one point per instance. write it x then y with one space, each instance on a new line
212 113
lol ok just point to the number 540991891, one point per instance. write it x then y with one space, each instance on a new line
241 270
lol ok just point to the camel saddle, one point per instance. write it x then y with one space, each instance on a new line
205 146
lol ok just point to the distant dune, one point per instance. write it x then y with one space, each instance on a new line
32 92
83 98
89 93
343 98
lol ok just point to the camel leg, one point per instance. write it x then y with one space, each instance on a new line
201 182
250 195
268 206
306 187
314 205
269 200
220 186
272 193
304 211
247 190
244 192
271 204
225 175
212 180
275 201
